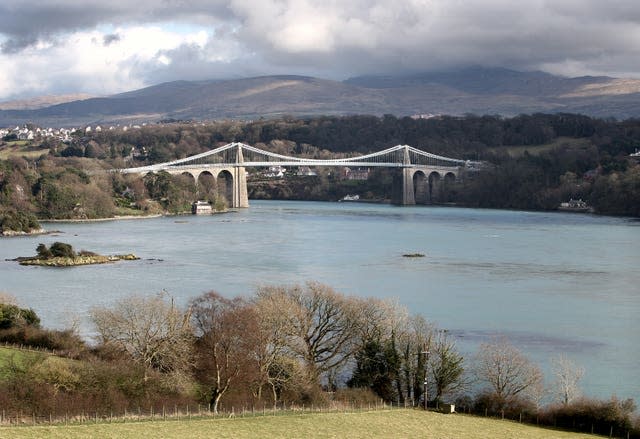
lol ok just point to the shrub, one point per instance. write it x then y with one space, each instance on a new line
61 249
12 221
65 342
600 416
13 316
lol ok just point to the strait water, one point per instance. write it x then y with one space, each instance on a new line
551 282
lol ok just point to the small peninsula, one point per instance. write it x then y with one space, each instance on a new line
61 254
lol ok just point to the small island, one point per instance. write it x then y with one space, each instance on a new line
61 254
413 255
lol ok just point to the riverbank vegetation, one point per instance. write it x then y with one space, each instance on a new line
537 161
292 345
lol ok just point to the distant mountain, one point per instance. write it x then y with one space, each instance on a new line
41 101
475 90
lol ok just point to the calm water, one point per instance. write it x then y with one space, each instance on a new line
553 283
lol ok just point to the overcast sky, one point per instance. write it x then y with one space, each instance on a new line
107 46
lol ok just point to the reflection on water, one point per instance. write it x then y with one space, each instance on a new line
553 283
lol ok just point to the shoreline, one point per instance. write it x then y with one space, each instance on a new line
96 220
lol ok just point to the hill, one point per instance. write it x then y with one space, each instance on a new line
402 423
42 101
476 90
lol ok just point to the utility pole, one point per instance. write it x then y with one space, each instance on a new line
426 374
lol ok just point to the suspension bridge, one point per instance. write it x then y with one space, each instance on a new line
422 175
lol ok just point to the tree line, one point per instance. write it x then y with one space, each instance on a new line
291 344
536 162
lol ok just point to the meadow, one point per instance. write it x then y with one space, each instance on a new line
396 423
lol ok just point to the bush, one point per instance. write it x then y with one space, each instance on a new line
12 221
594 415
65 342
13 316
63 250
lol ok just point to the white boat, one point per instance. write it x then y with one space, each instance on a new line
350 198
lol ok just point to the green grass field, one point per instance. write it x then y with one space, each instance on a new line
401 423
20 148
18 356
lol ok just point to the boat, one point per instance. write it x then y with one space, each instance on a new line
350 198
575 206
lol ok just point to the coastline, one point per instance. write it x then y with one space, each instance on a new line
17 234
95 220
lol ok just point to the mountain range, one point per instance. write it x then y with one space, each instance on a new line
474 90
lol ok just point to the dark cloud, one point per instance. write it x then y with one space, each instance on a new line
110 38
15 45
41 19
336 39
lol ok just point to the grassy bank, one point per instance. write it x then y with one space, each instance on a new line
401 423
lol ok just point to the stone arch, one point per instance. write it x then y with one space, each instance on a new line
207 186
447 184
224 183
185 182
435 187
190 176
420 187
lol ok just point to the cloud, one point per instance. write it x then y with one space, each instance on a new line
110 38
151 41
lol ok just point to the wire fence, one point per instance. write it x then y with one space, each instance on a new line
175 412
202 412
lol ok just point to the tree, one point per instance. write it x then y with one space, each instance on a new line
152 331
275 362
60 249
224 332
43 251
377 360
567 375
413 341
446 366
506 372
13 316
376 368
321 326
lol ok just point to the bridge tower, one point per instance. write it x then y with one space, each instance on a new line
404 190
240 193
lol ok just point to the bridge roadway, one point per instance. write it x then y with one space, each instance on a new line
415 183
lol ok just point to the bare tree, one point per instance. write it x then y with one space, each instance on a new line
320 325
506 371
446 366
275 326
225 331
153 331
413 338
567 375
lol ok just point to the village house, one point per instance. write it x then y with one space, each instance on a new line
305 171
354 174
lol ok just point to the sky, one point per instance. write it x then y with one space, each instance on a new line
103 47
